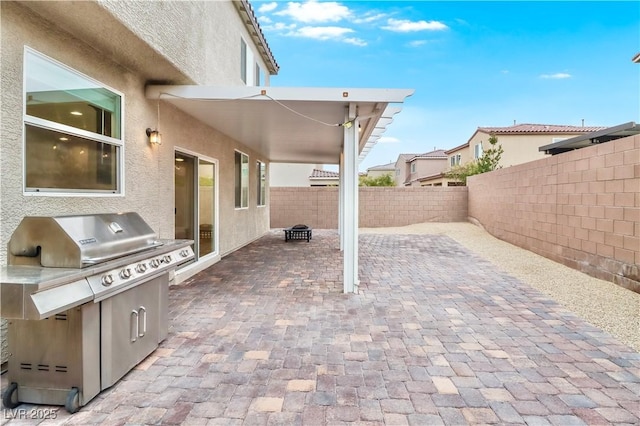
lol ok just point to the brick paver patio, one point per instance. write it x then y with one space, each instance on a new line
436 336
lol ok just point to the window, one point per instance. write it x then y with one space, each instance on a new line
455 159
413 167
261 168
258 75
243 60
477 151
242 180
72 130
397 172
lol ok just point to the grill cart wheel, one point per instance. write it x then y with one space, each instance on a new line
73 401
10 396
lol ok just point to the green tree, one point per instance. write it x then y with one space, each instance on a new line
489 161
383 180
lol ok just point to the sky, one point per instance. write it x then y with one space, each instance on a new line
471 64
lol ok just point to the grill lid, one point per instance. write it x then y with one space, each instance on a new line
80 240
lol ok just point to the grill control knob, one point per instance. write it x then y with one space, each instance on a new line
167 258
141 268
184 253
154 263
107 280
125 273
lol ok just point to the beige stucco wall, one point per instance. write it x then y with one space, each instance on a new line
426 167
202 38
291 174
518 149
148 171
378 173
378 206
580 208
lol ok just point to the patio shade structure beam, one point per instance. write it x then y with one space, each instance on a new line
297 125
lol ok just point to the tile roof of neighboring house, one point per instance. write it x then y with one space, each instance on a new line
323 174
405 157
389 166
530 129
539 128
436 154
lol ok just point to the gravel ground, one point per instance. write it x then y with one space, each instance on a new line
602 303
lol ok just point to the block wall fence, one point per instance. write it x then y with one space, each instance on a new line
580 208
379 206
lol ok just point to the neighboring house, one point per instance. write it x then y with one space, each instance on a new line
384 169
321 177
520 142
424 165
79 92
402 168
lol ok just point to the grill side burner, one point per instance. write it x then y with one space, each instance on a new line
75 329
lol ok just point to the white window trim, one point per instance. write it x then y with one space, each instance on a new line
46 124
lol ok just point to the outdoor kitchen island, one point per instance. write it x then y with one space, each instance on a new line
87 299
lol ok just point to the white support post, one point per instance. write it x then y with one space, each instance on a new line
350 207
341 200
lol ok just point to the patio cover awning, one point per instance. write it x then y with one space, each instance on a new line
300 125
287 124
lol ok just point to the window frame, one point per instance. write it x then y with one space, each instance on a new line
238 202
478 150
258 75
33 121
413 167
243 60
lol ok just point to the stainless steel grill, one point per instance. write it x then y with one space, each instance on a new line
86 297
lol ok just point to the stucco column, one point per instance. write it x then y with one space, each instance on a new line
350 207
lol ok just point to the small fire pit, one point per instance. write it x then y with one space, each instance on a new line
297 232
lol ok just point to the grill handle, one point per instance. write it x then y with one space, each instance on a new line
100 259
142 312
134 327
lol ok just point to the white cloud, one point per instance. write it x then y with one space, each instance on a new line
313 11
268 7
556 76
388 139
323 33
368 18
406 26
355 41
280 27
417 43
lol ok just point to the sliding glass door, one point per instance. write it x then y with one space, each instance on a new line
196 192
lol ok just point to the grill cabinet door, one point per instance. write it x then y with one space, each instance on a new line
130 328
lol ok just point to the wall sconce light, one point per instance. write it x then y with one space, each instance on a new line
154 136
